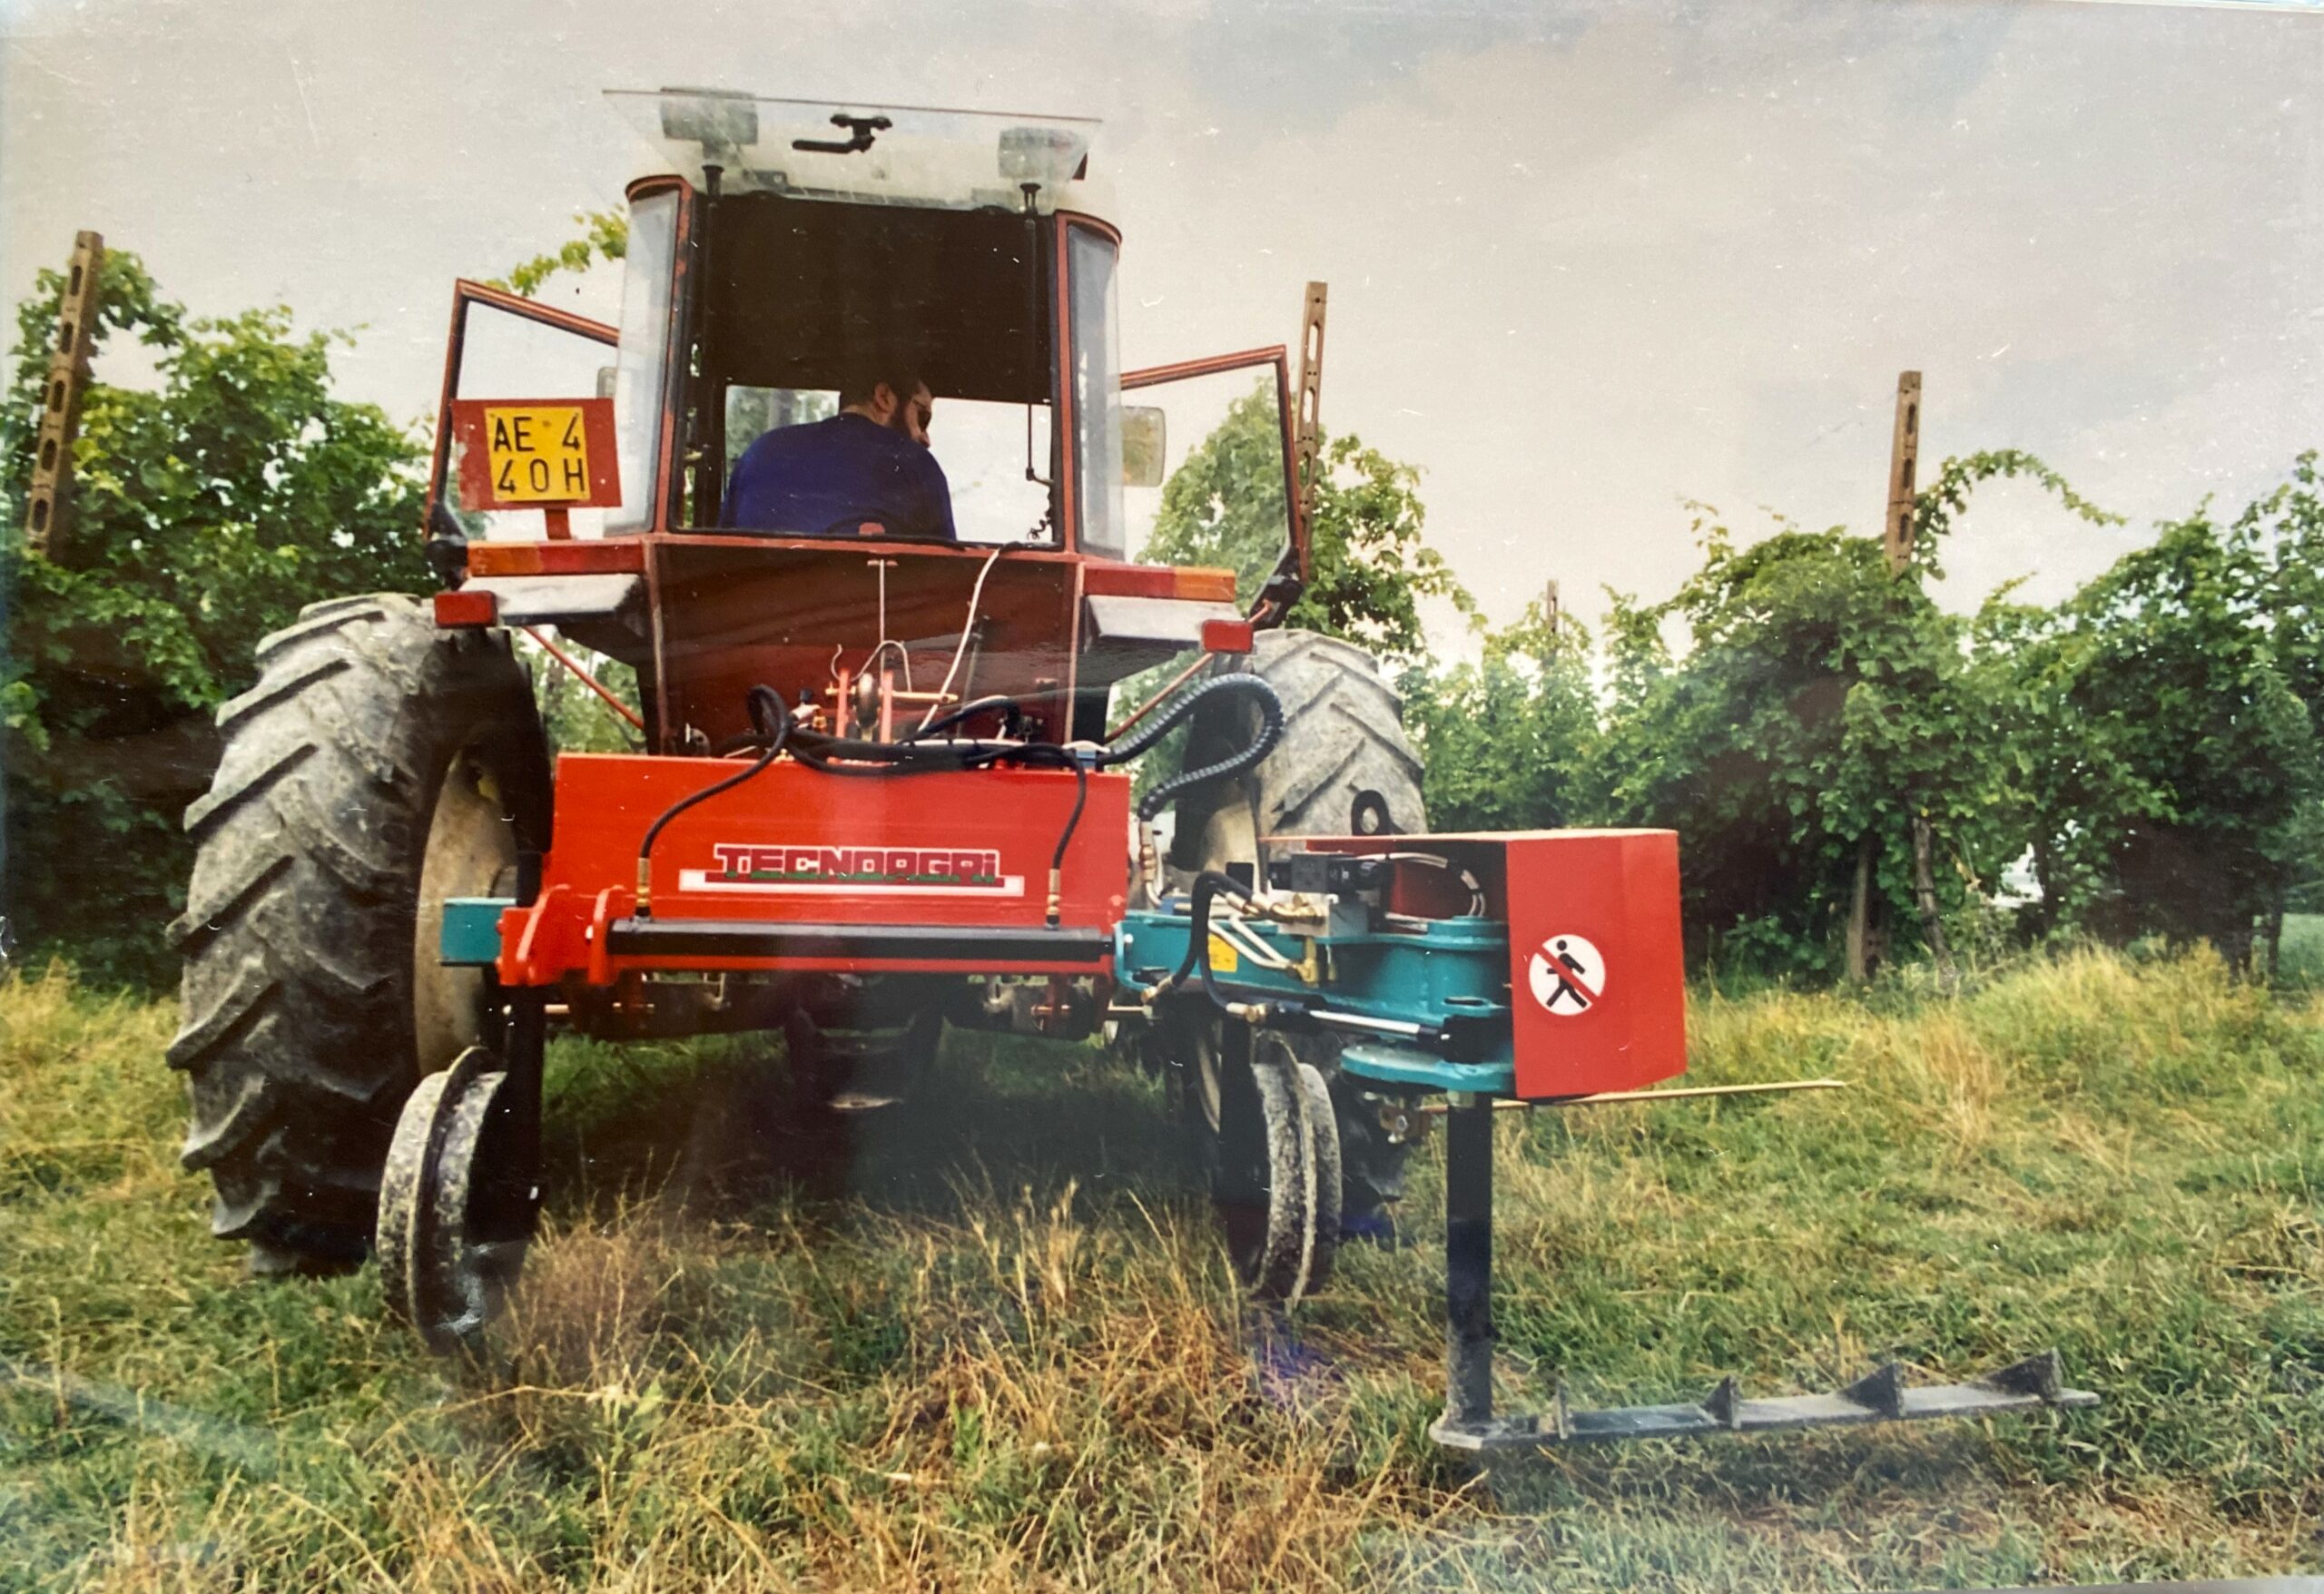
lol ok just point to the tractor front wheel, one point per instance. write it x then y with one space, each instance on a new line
378 767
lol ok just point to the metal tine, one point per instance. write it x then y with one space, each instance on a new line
1882 1389
1724 1404
2039 1374
1880 1395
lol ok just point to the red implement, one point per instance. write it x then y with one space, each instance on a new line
800 870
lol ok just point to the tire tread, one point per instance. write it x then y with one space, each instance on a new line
296 938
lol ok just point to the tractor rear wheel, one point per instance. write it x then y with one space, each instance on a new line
1342 767
378 767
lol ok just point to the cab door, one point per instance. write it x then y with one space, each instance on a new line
502 346
1210 451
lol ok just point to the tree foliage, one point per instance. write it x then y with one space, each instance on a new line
2168 727
1821 700
604 236
1511 742
1225 505
1815 693
576 719
209 508
1372 572
2151 745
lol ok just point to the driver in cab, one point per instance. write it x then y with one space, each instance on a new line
867 471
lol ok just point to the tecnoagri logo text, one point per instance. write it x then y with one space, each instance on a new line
757 867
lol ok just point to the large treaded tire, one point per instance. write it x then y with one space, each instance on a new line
1343 738
1344 766
312 1001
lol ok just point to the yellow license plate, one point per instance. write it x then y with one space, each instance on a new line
537 453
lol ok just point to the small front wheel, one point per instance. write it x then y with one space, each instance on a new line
456 1204
1267 1141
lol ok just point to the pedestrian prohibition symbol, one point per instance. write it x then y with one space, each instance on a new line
1567 975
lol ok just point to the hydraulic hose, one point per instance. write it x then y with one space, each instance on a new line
773 721
967 711
1262 696
1065 840
921 753
1208 886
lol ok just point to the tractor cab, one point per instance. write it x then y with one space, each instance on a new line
787 245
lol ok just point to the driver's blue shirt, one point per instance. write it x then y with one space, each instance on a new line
831 477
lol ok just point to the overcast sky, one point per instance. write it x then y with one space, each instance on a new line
1586 262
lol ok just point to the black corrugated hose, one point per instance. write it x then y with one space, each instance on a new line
921 753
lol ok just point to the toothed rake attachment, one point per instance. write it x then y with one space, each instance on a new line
1881 1396
1468 1422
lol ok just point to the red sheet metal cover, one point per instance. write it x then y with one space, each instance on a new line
793 844
1597 971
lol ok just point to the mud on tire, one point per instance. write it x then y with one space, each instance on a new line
379 767
1262 1130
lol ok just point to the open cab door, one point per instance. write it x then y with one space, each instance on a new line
1219 468
545 434
509 349
1233 436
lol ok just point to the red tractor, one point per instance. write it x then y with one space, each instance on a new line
877 790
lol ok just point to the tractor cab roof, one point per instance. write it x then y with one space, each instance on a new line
877 154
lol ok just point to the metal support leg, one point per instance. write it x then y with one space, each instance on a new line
1468 1263
523 1040
1468 1422
524 1043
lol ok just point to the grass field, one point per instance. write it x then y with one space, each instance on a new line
1007 1353
2301 959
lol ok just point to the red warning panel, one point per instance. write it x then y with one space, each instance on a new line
1596 972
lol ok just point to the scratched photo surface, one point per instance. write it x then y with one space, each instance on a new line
1233 794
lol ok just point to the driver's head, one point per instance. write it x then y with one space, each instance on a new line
890 390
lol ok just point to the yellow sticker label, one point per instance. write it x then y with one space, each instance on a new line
1222 955
539 453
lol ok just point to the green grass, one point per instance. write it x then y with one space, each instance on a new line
2300 962
1002 1350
